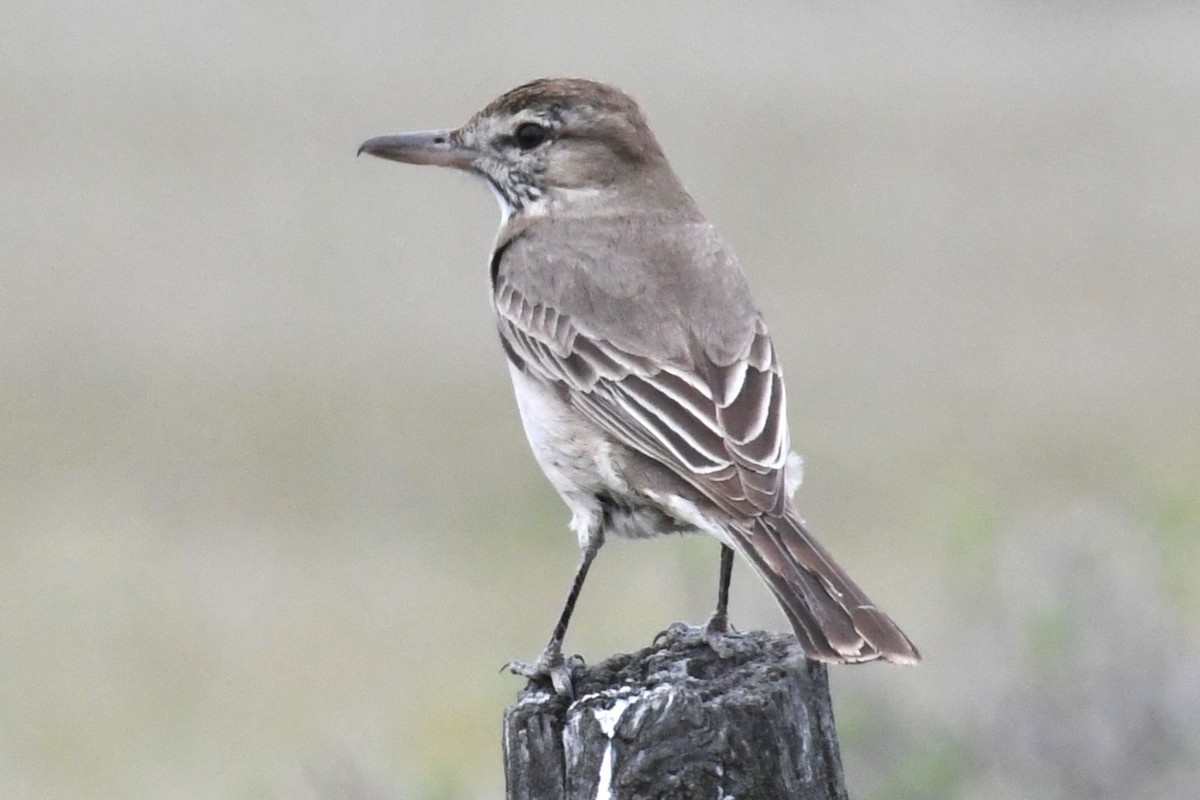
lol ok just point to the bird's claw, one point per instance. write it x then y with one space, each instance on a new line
550 666
676 632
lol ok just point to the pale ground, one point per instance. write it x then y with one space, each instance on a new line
267 524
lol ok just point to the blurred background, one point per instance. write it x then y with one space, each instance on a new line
268 523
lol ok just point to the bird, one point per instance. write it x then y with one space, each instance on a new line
647 383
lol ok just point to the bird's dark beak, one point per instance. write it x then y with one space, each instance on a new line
439 148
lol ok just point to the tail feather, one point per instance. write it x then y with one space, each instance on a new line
833 619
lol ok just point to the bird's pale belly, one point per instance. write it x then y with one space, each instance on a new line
588 469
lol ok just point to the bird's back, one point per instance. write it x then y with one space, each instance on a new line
667 289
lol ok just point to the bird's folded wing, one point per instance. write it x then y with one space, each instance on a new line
720 427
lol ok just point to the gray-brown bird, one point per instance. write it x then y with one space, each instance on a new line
646 380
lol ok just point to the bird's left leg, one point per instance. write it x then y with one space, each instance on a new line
550 663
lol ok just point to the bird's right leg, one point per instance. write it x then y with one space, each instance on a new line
717 633
718 623
550 663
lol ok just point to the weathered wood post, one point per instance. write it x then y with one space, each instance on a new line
677 721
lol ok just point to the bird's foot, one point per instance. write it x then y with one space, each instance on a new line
681 633
721 636
550 666
717 633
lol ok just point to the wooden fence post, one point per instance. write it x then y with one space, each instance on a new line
677 721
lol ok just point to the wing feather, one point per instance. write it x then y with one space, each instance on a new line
720 427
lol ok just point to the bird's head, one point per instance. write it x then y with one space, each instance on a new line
550 142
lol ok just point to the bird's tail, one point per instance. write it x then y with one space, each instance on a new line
833 619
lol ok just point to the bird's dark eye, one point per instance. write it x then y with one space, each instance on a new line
530 134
